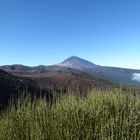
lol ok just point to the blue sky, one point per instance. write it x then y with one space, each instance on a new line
106 32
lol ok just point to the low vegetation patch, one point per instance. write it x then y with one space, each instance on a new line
100 116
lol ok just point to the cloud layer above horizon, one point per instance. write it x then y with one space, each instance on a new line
136 77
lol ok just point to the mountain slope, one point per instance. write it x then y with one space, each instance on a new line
77 63
22 70
120 75
50 84
11 86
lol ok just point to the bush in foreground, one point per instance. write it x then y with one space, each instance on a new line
100 116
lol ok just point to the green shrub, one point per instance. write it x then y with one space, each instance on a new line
100 116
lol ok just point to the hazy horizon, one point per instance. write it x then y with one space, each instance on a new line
39 32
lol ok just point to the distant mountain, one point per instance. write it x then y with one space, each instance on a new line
75 62
119 75
22 70
16 67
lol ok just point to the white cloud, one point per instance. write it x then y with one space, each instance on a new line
136 77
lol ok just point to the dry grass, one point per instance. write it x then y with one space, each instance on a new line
101 116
